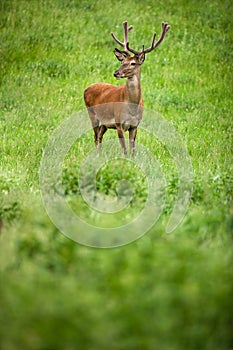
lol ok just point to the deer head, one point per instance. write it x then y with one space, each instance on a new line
131 65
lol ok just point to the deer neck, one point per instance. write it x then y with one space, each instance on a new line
133 89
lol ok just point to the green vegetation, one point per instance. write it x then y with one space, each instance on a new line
165 292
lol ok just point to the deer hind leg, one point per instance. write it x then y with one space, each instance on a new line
96 133
132 137
121 137
102 131
95 123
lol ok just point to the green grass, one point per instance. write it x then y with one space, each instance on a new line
166 292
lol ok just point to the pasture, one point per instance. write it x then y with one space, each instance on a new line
162 291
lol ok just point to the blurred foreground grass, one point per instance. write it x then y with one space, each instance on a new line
166 292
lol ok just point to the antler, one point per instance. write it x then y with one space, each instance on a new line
126 31
165 28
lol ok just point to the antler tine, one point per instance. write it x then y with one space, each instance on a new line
126 31
153 40
132 50
165 28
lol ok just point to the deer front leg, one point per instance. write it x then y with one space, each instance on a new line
121 137
132 137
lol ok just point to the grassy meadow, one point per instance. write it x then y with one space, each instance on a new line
163 291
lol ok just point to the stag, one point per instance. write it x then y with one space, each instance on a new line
120 107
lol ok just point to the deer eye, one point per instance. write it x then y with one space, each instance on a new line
133 63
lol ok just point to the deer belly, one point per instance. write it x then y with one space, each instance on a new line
130 121
109 123
126 122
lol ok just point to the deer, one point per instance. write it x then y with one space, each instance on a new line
120 107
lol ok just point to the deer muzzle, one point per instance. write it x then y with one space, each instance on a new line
117 74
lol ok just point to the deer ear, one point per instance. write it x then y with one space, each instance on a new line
141 58
121 56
